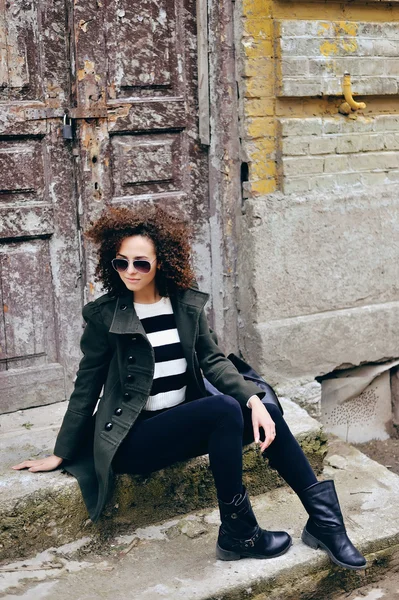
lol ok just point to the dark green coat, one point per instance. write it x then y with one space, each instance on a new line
118 355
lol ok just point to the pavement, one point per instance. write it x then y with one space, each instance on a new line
175 559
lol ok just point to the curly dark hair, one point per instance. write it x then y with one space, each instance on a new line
170 235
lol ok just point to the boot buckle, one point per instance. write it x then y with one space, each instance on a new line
248 543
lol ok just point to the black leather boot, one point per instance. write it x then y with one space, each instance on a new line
240 535
325 528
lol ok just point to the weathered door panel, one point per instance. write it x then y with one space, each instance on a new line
126 72
39 252
147 147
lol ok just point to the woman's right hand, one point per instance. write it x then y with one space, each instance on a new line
41 464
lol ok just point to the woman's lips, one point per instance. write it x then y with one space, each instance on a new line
132 280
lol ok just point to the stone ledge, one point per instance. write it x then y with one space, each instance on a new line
41 510
177 558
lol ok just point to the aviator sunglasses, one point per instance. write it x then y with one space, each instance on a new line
140 265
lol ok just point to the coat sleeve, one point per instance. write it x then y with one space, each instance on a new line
93 369
219 370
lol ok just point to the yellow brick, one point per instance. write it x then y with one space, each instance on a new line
265 186
259 107
256 48
261 28
254 67
259 87
262 169
257 8
260 149
260 127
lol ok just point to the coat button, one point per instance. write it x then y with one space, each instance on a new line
108 426
131 360
118 412
126 396
123 306
130 378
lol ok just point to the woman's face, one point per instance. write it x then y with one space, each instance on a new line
138 247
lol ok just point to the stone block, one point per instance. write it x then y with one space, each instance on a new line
336 164
335 254
311 126
261 66
322 145
357 124
385 47
263 187
337 182
261 28
261 127
259 107
386 123
374 178
295 146
374 86
258 87
292 67
296 185
392 66
263 169
365 47
373 142
313 345
302 166
370 161
300 87
333 125
349 144
254 47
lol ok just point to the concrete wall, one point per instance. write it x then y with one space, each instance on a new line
319 259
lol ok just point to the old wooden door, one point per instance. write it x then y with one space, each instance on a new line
125 72
40 290
137 112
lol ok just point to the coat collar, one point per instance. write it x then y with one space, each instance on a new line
126 321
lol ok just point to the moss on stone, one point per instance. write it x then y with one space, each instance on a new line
58 516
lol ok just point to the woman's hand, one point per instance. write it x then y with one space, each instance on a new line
41 464
261 418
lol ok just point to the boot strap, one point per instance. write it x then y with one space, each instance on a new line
250 542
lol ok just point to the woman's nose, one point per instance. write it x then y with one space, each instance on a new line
131 268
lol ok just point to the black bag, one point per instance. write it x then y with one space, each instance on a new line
250 375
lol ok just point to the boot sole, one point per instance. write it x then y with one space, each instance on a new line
222 554
314 543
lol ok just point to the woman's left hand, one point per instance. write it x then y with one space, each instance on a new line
262 419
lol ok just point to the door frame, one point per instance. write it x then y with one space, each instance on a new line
224 171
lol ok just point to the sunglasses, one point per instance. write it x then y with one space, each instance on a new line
141 266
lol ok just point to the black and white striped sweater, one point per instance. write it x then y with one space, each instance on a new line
170 376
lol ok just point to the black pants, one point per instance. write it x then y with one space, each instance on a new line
219 426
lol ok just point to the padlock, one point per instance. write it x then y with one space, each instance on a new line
67 132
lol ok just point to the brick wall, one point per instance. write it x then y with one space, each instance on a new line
334 153
318 263
315 54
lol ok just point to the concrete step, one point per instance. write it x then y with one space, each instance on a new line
39 510
175 560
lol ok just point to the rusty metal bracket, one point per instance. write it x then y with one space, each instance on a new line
87 113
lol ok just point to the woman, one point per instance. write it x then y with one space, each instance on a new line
147 340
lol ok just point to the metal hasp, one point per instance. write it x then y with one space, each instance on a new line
350 103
